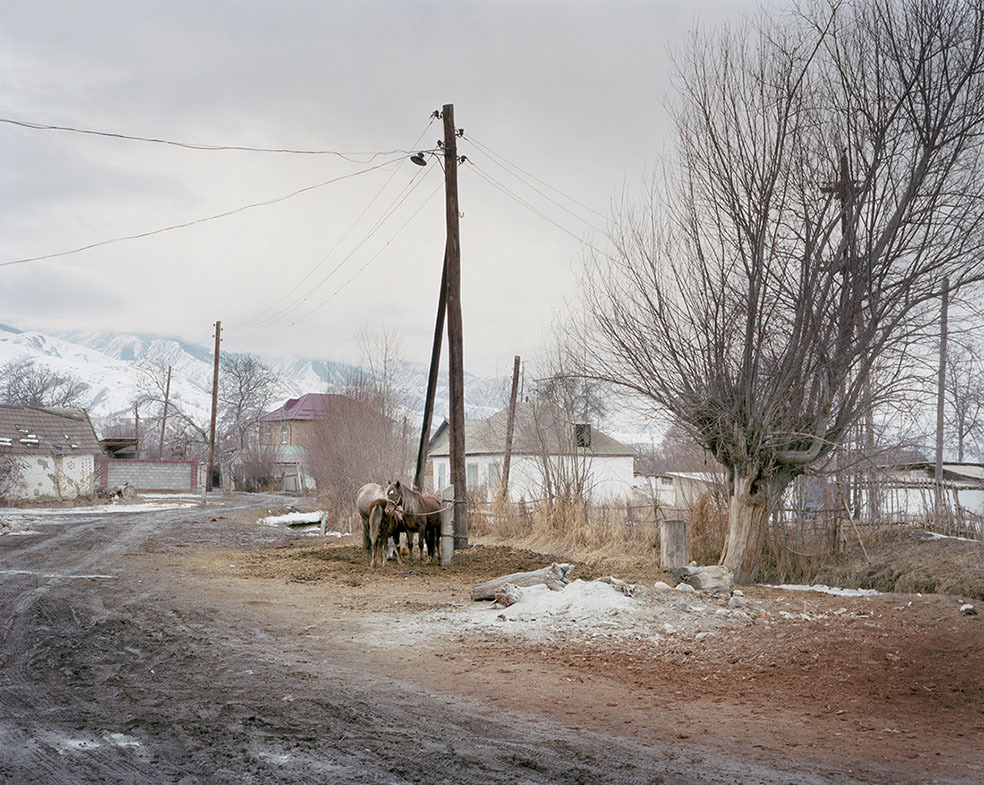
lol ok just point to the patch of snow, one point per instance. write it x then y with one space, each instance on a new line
23 512
121 740
53 575
290 518
935 536
819 587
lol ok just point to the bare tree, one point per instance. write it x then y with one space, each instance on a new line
11 471
364 437
246 389
827 178
28 383
555 426
964 397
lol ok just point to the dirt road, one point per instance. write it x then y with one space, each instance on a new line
193 646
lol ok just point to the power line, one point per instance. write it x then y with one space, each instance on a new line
373 257
257 324
197 221
369 156
259 318
502 161
516 197
356 274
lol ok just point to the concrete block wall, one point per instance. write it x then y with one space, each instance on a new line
152 475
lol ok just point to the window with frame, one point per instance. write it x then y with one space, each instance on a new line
284 433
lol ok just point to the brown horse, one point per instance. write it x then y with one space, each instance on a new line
421 514
385 521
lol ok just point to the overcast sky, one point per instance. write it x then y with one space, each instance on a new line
567 96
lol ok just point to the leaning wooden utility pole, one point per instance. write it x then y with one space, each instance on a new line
425 428
215 406
456 371
510 425
167 396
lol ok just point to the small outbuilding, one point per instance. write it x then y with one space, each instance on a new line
50 453
552 455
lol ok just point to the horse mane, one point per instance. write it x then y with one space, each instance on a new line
412 500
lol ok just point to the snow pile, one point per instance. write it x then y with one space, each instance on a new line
14 527
292 518
579 601
819 587
306 522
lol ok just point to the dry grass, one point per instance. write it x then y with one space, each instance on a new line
595 535
901 560
708 528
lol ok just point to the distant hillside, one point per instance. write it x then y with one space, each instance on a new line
110 364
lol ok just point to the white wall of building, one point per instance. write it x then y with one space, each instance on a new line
610 477
55 478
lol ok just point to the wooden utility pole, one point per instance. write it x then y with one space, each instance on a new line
136 427
941 392
425 428
456 371
215 407
510 425
167 396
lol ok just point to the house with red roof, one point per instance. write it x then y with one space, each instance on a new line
290 432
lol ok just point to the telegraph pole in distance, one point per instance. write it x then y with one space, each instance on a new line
167 396
941 396
215 406
456 371
510 425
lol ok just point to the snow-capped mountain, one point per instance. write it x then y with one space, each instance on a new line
114 365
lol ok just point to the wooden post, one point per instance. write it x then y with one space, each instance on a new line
447 526
432 378
941 396
215 406
136 427
510 425
167 395
456 371
673 544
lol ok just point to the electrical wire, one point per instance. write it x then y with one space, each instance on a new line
259 318
368 156
255 326
371 258
516 197
505 163
186 224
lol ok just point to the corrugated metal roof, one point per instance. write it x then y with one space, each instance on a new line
313 406
539 429
32 430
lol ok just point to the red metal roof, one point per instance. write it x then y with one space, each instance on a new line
313 406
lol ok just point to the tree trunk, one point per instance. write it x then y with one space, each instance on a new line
748 516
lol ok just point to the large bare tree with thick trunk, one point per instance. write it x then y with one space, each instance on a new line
827 177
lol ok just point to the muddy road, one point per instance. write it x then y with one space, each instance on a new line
191 645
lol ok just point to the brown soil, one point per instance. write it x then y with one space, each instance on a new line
247 637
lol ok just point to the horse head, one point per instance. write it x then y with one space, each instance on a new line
394 492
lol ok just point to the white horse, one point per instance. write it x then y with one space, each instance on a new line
367 494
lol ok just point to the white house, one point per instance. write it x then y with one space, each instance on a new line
551 456
54 451
908 491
